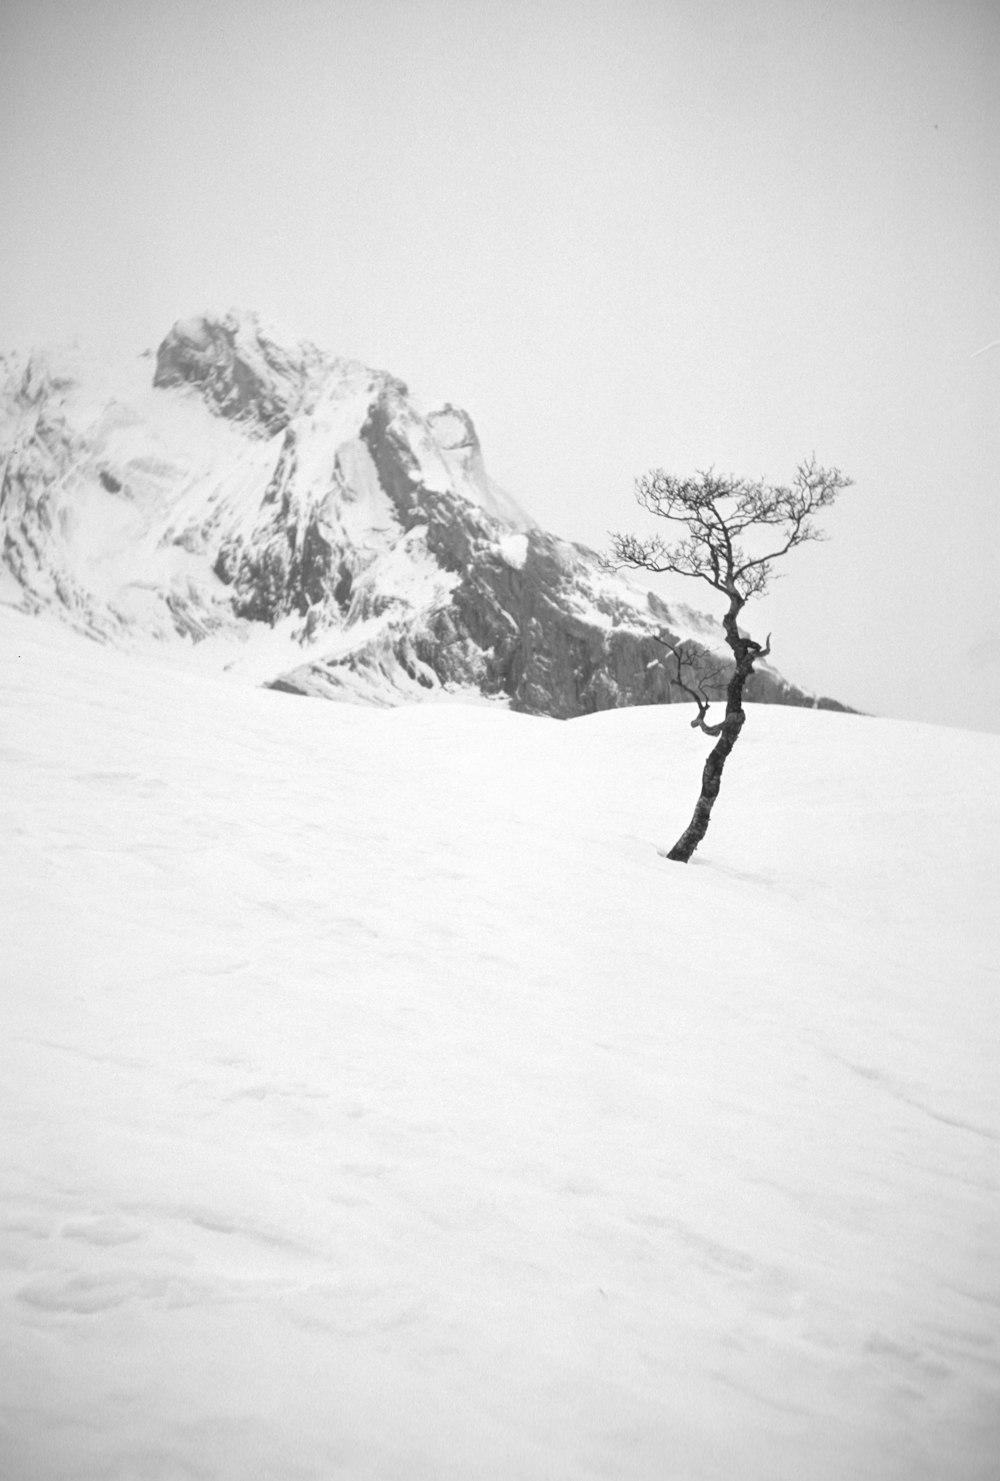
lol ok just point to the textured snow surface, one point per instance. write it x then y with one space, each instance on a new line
376 1103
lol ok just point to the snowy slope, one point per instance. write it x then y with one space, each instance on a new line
377 1103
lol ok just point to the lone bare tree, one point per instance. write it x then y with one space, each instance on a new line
736 530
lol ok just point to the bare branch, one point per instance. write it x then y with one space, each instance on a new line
684 663
719 513
682 558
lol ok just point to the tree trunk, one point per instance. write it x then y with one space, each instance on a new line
711 780
746 652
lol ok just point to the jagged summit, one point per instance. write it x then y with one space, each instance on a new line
299 517
242 369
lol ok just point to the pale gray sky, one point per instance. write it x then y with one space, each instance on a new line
671 232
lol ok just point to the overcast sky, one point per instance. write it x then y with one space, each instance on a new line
668 233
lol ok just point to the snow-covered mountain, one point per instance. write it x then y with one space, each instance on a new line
301 518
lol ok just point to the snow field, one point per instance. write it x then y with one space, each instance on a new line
375 1102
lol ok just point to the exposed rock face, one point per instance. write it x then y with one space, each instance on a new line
240 371
265 491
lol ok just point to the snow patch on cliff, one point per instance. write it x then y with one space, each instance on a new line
514 550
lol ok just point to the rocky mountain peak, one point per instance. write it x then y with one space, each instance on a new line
241 370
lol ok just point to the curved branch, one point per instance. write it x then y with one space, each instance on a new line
699 696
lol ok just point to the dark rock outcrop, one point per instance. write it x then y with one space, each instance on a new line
240 371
